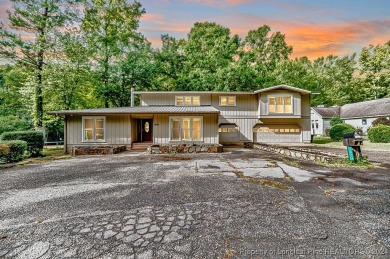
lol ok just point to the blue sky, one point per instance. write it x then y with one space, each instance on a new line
314 28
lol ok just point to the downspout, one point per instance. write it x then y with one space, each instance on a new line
65 135
132 96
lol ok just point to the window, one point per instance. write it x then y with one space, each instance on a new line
280 104
187 100
228 129
364 121
94 128
227 101
186 128
278 129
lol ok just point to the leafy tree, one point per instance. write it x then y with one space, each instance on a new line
111 31
39 19
169 62
375 70
208 51
67 74
260 54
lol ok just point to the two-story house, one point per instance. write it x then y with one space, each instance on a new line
279 114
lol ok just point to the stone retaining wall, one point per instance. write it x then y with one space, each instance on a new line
296 152
97 150
185 148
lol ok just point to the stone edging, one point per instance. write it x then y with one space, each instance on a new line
300 153
185 148
97 150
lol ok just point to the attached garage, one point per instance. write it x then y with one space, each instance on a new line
229 133
275 133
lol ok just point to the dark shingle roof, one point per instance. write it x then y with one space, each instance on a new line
139 109
379 107
328 112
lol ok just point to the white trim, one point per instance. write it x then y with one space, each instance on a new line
186 96
284 105
185 117
227 100
94 118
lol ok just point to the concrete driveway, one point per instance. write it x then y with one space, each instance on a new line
239 204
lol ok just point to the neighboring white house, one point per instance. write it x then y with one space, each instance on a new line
360 115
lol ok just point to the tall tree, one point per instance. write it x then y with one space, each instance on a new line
208 51
375 70
111 30
261 51
37 20
67 74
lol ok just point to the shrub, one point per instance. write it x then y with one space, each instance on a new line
13 150
327 132
381 121
34 140
379 134
336 132
335 121
13 123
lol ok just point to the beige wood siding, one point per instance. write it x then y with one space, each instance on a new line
117 131
169 99
304 123
245 126
246 106
161 127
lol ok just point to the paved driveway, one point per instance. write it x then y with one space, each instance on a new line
199 206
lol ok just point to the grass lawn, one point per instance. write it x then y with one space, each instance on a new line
367 145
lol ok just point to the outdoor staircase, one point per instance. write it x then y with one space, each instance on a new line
143 146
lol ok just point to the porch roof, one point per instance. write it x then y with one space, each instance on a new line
139 109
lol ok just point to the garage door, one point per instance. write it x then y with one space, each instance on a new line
229 133
277 133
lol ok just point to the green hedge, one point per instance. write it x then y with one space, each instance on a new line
379 134
337 131
12 151
34 140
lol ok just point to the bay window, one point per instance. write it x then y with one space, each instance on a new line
186 128
94 128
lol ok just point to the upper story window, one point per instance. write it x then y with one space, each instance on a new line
94 128
280 104
227 101
187 100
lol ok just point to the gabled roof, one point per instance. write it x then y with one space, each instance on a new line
277 87
328 112
139 109
189 92
285 87
373 108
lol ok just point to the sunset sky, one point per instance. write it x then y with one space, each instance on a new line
314 28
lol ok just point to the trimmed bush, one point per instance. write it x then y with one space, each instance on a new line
336 132
13 150
335 121
381 121
379 134
34 140
13 123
